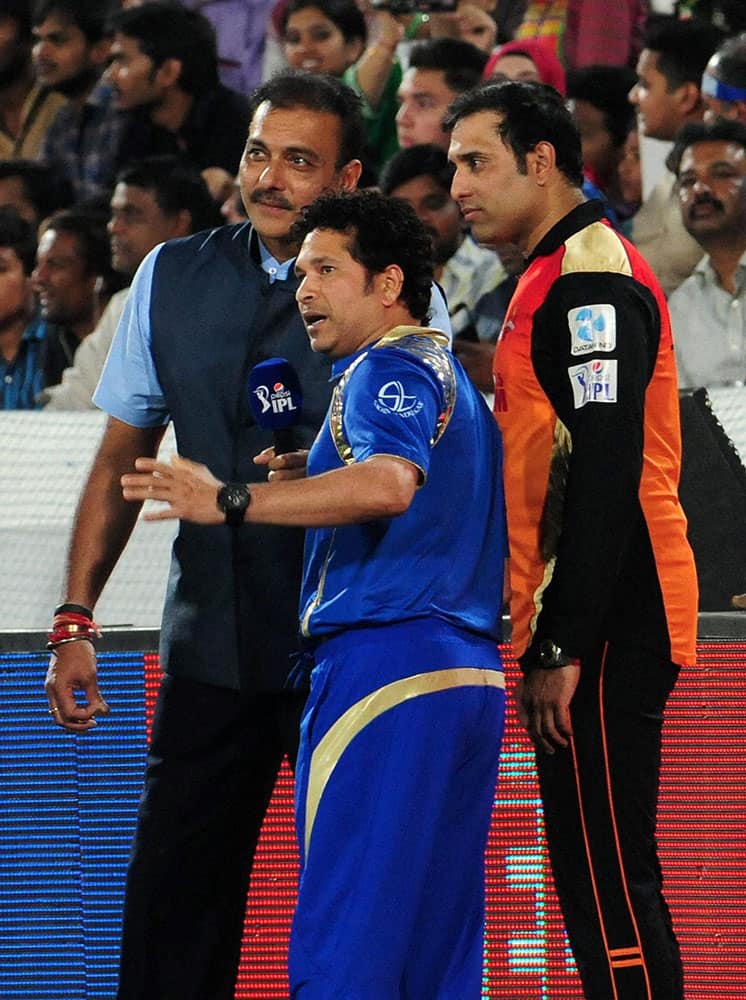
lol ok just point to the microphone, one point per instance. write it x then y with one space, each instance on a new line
276 399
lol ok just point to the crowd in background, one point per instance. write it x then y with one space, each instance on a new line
123 125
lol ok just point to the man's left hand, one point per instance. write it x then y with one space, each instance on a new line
189 489
543 698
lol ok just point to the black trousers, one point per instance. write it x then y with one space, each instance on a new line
600 799
212 765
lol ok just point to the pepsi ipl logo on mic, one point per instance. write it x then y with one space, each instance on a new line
276 398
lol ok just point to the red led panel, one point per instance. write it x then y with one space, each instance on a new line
702 835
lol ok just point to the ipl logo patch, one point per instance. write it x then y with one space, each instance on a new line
593 382
392 398
592 328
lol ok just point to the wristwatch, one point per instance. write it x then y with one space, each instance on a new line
551 656
233 499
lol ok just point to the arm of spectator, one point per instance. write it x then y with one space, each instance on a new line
469 23
373 68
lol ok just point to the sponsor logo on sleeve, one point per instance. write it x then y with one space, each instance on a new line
593 382
393 398
592 328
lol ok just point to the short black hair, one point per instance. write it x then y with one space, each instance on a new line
317 92
89 228
531 113
461 63
606 88
382 231
18 235
720 130
164 29
426 160
345 14
90 16
43 187
731 61
175 186
683 48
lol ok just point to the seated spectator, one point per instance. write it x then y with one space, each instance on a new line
629 178
330 36
599 105
26 108
164 70
708 311
724 81
21 331
74 280
525 61
667 96
477 286
32 189
438 71
155 200
70 51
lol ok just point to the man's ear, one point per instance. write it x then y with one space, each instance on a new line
349 175
390 281
99 52
688 97
182 223
169 72
541 162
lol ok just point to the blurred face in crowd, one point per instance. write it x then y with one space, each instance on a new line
424 97
65 287
715 107
515 66
138 224
712 190
62 52
13 55
314 44
629 172
600 155
438 213
131 73
290 159
660 110
15 289
13 194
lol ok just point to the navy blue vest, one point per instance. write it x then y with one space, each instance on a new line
231 613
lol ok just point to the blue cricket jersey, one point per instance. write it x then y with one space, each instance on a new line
407 396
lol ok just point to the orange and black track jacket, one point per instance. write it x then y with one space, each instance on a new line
587 401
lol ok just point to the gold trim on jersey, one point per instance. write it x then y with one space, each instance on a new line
332 745
596 248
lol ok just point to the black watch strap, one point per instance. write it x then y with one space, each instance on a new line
233 499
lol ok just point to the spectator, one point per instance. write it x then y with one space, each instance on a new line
629 178
477 286
524 61
240 30
471 22
330 36
155 200
708 311
724 81
21 331
164 69
438 71
74 280
667 96
604 116
70 51
26 108
32 189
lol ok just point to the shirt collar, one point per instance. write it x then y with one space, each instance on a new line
396 333
270 265
575 220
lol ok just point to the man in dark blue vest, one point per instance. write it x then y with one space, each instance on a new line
202 312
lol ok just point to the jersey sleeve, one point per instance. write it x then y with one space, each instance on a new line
391 407
594 346
129 388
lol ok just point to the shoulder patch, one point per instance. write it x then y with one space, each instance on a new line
593 382
592 328
596 248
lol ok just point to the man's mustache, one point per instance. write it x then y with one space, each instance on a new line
263 198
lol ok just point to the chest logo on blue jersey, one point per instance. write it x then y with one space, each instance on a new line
393 398
592 328
593 382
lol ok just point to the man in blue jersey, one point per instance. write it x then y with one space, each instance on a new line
400 606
